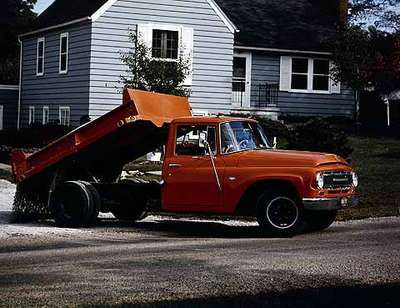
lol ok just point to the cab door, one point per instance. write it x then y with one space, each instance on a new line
190 180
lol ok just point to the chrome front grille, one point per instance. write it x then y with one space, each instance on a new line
337 179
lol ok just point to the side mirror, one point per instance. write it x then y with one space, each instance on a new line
203 140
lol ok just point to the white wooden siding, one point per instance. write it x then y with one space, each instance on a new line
54 89
212 55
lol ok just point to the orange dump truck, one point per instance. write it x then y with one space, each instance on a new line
212 165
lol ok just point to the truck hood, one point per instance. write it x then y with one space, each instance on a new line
284 158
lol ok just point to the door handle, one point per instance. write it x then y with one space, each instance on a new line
175 165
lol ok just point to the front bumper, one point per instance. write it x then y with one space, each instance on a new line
329 204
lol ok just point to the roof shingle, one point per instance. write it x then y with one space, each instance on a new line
283 24
62 11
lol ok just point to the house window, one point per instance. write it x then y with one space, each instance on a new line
299 74
307 75
321 75
65 116
63 67
45 115
165 44
168 43
31 118
40 57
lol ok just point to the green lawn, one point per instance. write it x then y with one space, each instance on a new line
377 162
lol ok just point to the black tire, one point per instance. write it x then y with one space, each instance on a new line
319 220
280 212
96 202
126 214
132 205
71 205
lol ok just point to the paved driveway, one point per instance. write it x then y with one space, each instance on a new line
190 263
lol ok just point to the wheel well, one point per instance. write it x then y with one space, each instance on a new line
247 203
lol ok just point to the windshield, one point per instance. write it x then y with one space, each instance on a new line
242 135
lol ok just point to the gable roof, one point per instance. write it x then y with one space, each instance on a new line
64 12
273 24
283 24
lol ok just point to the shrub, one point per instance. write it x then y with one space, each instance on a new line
274 128
36 136
318 135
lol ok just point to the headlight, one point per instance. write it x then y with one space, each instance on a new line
355 179
320 180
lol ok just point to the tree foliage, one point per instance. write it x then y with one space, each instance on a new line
366 49
367 59
16 17
382 14
155 75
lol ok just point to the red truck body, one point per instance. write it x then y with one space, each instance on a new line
213 165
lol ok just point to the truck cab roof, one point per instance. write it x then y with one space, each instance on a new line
210 119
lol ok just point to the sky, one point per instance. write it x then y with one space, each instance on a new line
41 5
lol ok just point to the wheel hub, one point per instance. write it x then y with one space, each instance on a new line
282 213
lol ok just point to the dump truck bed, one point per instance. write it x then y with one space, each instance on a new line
129 131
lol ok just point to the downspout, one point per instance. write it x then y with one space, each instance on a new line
20 84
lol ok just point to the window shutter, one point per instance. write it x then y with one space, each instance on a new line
284 84
333 85
187 51
145 34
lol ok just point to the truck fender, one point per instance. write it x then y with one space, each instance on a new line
247 202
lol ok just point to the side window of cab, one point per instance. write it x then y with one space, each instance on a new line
188 140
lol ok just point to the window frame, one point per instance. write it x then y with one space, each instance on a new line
208 125
310 76
40 40
62 36
60 110
44 110
31 115
164 44
167 28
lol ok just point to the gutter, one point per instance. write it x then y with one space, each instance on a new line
20 83
72 22
325 53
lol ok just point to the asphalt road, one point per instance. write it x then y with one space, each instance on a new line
168 263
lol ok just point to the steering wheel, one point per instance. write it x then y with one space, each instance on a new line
243 144
228 148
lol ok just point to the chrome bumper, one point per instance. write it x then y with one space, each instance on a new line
329 204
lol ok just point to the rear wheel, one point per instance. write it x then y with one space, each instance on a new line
280 212
73 204
132 202
319 220
96 202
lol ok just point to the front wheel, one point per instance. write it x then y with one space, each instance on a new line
280 212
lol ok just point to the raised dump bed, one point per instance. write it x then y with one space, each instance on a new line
122 135
98 150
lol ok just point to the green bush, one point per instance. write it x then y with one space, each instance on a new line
274 128
36 136
320 136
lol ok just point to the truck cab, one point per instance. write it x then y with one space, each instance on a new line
225 165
